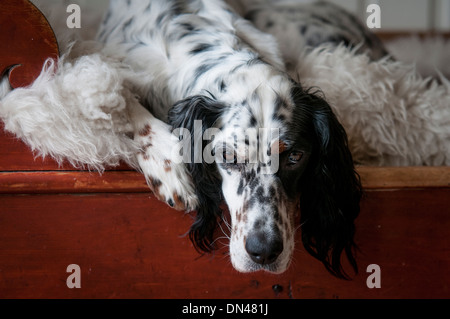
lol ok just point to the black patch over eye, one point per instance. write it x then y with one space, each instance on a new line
229 158
295 157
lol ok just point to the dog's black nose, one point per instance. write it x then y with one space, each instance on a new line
262 249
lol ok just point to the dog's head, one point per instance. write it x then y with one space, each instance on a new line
271 156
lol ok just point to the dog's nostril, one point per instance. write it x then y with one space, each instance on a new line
263 250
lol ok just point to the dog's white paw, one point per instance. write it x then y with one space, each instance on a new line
166 176
168 179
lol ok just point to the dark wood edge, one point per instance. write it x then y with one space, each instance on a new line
43 182
391 35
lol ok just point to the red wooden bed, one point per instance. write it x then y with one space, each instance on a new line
130 245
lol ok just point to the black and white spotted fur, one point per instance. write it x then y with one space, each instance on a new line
198 60
301 26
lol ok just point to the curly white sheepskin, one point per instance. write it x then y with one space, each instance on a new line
74 111
392 115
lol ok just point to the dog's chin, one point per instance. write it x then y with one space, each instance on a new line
242 262
248 266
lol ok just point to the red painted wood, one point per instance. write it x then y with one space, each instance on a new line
131 246
128 181
42 182
27 41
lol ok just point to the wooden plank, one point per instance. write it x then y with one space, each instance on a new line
72 182
132 246
404 177
373 178
387 35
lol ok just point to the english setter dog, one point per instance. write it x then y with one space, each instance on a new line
200 69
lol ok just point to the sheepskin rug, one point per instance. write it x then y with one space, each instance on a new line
393 115
396 113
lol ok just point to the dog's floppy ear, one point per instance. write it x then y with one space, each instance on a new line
206 178
330 188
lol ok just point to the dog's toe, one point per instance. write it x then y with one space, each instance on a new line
173 186
167 178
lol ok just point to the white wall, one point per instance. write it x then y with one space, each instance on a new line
395 14
405 14
398 15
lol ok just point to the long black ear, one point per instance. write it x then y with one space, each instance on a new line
330 188
205 176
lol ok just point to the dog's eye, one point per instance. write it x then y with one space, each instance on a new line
295 157
229 158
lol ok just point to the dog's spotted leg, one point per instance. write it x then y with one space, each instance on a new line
166 177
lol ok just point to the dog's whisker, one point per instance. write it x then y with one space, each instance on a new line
217 239
300 226
226 234
227 224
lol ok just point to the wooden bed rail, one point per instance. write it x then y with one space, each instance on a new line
128 181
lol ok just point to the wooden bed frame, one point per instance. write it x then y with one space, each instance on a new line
129 245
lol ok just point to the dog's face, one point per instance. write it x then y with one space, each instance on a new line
260 170
273 153
263 209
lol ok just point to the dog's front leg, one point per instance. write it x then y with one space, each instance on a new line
166 177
